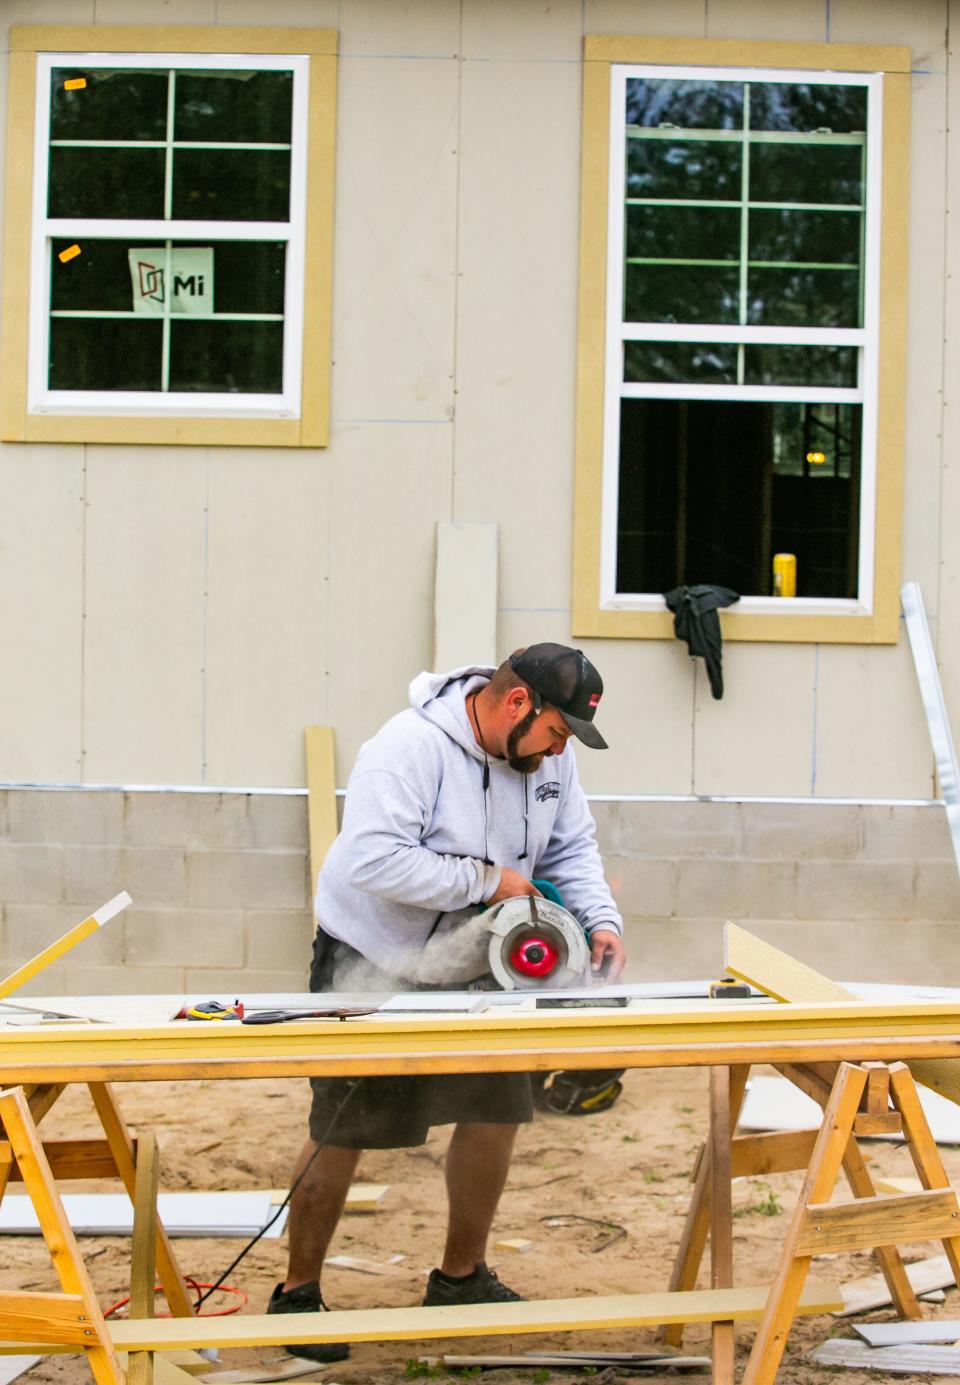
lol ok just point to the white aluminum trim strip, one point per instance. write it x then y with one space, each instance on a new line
112 907
935 710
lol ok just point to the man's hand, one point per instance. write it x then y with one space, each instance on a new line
512 884
606 953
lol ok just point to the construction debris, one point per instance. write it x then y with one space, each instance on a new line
901 1360
889 1334
638 1360
517 1244
927 1278
354 1262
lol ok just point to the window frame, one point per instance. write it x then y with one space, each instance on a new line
597 609
29 411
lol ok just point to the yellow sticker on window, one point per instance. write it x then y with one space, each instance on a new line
75 84
71 253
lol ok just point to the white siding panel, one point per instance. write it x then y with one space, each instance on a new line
800 21
389 485
269 563
516 329
541 30
758 738
41 578
44 12
394 283
684 18
174 12
872 739
316 14
400 28
921 25
144 614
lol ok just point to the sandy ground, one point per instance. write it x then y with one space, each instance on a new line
626 1168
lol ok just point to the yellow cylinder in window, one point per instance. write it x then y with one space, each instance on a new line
784 574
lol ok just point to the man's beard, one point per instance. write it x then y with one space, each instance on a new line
523 764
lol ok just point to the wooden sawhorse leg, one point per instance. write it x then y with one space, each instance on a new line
73 1317
121 1147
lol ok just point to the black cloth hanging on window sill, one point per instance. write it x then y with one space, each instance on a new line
695 620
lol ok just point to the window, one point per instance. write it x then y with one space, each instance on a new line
742 324
167 244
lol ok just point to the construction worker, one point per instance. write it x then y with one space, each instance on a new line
456 803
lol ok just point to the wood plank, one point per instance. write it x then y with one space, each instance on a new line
55 950
480 1319
891 1265
59 1238
42 1098
143 1256
321 796
73 1159
782 1151
783 977
821 1176
721 1219
43 1317
808 1077
868 1222
122 1148
923 1148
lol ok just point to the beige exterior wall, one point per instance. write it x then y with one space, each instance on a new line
178 615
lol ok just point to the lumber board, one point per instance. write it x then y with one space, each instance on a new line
864 1223
782 1151
321 796
477 1319
901 1360
44 1317
891 1265
782 976
55 950
73 1159
808 1077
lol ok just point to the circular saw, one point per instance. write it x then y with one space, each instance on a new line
535 943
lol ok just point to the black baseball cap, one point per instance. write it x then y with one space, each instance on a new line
566 679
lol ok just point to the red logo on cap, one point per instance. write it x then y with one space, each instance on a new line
594 699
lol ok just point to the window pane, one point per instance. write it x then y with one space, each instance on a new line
112 105
806 172
107 183
99 278
226 357
105 353
687 168
689 105
804 298
249 276
676 362
683 233
228 185
805 237
802 108
234 107
710 491
801 365
681 293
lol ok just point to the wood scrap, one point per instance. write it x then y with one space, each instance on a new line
639 1360
362 1197
902 1360
286 1368
517 1244
355 1262
926 1278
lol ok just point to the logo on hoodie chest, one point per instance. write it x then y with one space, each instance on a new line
551 789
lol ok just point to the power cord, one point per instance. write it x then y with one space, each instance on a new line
355 1083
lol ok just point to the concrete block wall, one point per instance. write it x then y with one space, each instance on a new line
221 892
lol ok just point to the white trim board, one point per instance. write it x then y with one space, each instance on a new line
774 1103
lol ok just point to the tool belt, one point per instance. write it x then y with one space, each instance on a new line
577 1093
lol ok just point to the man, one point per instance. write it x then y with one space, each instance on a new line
457 802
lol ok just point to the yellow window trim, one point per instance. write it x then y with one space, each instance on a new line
313 426
600 52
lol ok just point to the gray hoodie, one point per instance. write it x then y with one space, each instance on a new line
419 833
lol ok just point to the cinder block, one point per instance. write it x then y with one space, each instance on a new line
828 890
247 880
185 938
51 981
801 831
923 954
277 820
906 834
217 982
278 942
607 817
937 891
4 829
66 816
82 980
208 821
153 876
673 949
735 889
29 928
684 828
642 888
30 873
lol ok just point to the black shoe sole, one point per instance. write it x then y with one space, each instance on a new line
323 1353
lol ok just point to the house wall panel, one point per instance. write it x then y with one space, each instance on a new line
802 21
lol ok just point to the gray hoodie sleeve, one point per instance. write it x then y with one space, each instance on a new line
572 859
383 854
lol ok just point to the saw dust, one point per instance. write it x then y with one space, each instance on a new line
601 1197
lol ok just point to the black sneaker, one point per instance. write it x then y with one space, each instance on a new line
483 1286
305 1298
